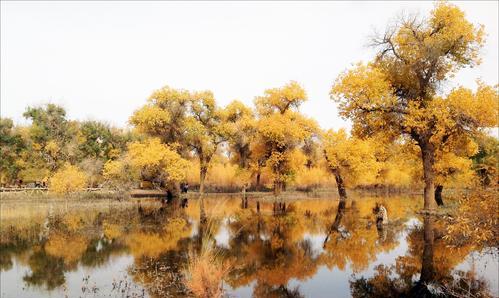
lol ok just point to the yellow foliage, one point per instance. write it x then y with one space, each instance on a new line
154 244
281 130
113 169
224 175
52 148
397 93
69 179
153 157
309 178
192 172
453 170
400 166
111 231
73 222
70 248
476 221
281 99
355 158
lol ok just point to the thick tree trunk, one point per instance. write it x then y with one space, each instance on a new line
202 176
438 195
428 156
340 184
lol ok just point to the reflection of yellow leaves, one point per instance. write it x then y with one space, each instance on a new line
70 248
150 245
73 222
111 231
154 244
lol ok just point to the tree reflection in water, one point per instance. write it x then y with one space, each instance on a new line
275 255
436 278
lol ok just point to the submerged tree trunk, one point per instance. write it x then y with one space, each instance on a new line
337 220
428 156
438 195
340 184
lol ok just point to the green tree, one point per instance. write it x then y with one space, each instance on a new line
11 145
96 139
485 161
50 134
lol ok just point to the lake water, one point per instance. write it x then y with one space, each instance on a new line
316 249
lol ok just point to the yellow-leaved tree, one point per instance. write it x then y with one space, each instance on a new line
241 128
351 160
397 93
149 160
281 129
189 120
68 179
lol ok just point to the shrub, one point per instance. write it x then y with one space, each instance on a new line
67 180
476 221
205 273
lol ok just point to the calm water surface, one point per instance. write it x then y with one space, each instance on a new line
316 249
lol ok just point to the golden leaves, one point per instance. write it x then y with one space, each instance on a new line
355 156
150 118
281 99
67 180
476 221
154 156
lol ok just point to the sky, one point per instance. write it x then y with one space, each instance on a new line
101 60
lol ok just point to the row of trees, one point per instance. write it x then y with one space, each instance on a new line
404 127
33 153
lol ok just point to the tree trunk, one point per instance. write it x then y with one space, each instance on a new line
340 184
258 177
428 156
202 176
438 195
277 188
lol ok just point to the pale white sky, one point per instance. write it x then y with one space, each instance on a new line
101 60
